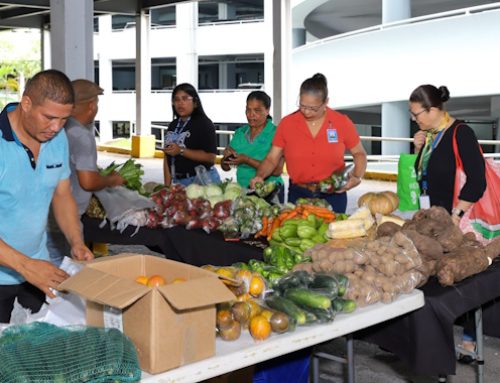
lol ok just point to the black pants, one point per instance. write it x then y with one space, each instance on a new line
27 295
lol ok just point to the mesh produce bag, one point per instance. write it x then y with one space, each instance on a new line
41 352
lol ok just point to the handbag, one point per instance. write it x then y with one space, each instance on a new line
483 218
408 188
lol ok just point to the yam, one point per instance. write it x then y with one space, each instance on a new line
460 264
425 245
451 238
387 229
492 250
430 227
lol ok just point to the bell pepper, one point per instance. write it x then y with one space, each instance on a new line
304 231
293 241
289 231
267 253
306 244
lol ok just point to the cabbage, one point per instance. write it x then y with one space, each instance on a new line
233 186
212 190
214 199
232 194
194 191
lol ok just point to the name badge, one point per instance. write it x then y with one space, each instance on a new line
332 136
425 202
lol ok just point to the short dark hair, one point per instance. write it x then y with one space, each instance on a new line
430 97
189 89
316 85
50 85
261 96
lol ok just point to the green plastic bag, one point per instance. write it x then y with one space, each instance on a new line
408 187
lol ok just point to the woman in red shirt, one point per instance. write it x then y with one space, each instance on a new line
313 141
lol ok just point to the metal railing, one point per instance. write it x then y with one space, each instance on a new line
371 157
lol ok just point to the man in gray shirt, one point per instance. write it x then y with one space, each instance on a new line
85 177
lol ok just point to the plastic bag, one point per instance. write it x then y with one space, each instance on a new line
408 187
202 176
483 218
119 201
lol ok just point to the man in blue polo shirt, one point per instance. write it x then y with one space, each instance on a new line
34 171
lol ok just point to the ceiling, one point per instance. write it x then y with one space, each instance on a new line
340 16
36 13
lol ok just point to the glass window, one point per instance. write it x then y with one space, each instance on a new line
120 22
163 73
123 75
230 10
121 129
164 16
231 72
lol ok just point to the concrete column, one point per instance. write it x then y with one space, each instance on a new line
72 33
268 50
395 10
395 117
395 123
142 74
282 40
105 79
223 76
187 58
226 11
298 37
495 113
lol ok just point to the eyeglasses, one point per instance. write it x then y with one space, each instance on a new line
310 108
176 100
415 115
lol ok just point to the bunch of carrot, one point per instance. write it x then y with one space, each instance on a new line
269 224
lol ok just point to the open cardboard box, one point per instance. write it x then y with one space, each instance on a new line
170 325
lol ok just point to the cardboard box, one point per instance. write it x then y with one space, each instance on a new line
170 325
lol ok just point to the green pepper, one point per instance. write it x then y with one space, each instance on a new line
277 236
293 241
323 228
241 265
306 244
288 231
267 253
291 222
299 258
304 231
318 238
256 265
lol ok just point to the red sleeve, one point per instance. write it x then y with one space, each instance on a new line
351 136
279 137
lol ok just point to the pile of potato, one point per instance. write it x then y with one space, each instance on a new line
378 270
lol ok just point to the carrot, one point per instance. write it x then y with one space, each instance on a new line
263 231
276 223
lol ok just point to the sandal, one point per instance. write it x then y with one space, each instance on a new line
465 359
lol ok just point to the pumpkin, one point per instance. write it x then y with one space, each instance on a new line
384 202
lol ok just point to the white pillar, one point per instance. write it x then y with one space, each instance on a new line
395 123
395 10
187 58
495 113
282 31
298 37
268 50
105 79
226 11
72 33
223 75
395 116
142 74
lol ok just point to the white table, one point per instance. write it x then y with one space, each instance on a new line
245 351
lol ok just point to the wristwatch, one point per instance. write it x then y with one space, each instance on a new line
182 151
458 212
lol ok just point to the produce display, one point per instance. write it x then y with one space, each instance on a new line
131 171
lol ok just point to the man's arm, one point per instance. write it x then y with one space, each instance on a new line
66 214
41 274
92 181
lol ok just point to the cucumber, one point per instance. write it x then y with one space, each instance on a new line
343 305
343 282
305 277
322 315
337 305
324 281
327 292
288 307
311 318
308 298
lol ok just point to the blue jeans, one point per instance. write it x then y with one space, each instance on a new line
58 246
212 174
338 201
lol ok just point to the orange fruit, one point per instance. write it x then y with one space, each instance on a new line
225 272
155 281
142 279
255 308
257 285
243 297
224 319
267 314
260 328
244 276
179 280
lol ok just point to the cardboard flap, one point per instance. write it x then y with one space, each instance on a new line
197 292
100 287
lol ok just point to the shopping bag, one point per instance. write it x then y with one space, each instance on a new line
483 218
408 187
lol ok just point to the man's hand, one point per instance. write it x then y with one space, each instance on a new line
115 179
43 275
352 182
80 252
419 140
